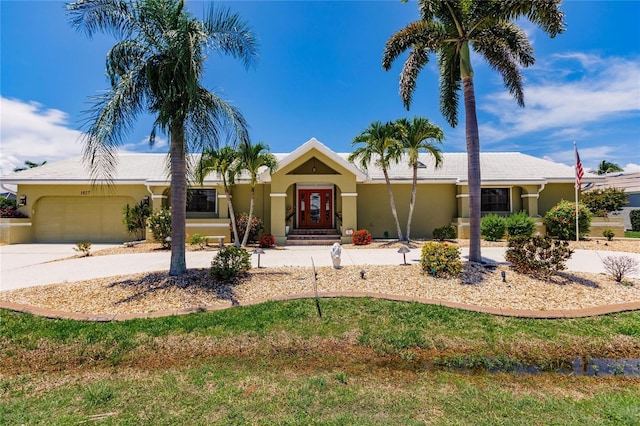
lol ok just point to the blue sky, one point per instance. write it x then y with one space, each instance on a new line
319 75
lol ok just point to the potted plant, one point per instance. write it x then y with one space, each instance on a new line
291 212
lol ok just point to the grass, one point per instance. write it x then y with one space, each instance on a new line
365 362
632 234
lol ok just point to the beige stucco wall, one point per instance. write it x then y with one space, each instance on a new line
436 206
552 194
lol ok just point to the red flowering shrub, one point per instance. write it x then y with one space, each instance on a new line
12 214
267 240
561 220
361 237
254 230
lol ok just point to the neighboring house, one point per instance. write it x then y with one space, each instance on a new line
630 182
316 187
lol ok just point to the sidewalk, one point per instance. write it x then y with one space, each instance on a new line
29 265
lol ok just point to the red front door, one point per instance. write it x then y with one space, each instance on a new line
315 208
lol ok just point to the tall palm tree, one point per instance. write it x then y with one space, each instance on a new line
156 66
417 135
450 28
252 159
225 163
381 144
607 167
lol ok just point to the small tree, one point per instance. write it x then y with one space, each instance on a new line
561 220
8 203
619 266
135 219
601 202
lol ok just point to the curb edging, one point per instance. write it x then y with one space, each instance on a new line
507 312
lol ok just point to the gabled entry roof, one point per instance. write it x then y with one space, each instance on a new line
314 144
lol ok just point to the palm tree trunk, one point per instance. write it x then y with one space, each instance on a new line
246 231
234 226
178 264
473 168
412 201
393 204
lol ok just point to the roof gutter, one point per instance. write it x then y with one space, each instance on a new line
9 190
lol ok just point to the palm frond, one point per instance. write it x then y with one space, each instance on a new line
416 60
450 83
230 35
111 16
401 41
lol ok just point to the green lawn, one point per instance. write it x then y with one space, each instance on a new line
365 362
632 234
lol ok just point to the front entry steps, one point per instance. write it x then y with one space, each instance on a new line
313 237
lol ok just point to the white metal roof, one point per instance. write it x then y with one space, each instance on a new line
498 167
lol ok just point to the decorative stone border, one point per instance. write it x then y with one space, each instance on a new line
521 313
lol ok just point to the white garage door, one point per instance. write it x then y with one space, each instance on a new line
75 219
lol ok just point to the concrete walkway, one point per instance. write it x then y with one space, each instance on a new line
29 265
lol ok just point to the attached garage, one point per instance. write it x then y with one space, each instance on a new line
75 219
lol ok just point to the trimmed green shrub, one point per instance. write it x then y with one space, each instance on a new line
540 257
198 240
254 231
493 227
160 225
361 237
561 220
601 202
634 215
446 232
608 234
520 225
135 219
267 240
230 262
440 259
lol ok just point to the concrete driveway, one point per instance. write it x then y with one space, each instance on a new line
28 265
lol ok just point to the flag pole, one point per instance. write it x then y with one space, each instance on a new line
576 186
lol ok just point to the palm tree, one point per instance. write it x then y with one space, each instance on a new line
450 29
419 135
252 159
224 162
29 165
156 66
382 143
607 167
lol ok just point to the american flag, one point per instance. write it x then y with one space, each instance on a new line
579 169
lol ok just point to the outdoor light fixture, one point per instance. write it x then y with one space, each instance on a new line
258 251
504 276
362 272
313 169
145 200
404 250
23 200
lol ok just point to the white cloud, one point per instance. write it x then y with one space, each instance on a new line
29 131
631 168
160 145
593 91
